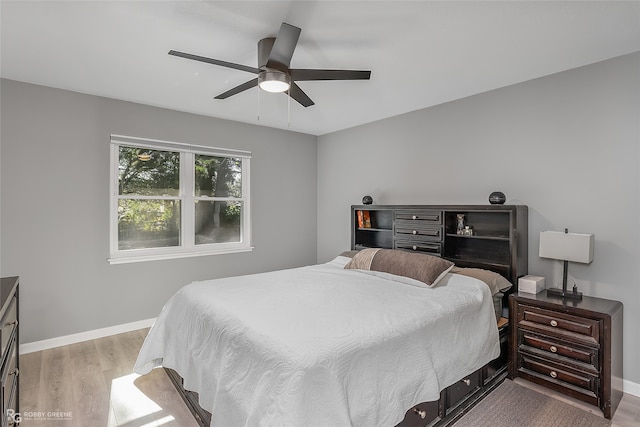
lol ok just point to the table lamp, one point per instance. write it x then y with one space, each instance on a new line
566 247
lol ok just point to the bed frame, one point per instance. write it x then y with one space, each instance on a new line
500 245
202 416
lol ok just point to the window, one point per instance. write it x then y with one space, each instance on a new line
172 200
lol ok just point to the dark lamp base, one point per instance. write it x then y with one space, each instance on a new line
555 292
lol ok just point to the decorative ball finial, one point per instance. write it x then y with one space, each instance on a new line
497 198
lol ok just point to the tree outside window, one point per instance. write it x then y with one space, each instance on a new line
217 221
167 198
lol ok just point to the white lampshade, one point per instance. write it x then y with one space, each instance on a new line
572 247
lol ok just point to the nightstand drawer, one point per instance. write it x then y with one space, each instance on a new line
458 391
9 368
572 327
10 380
420 216
8 324
559 375
554 347
12 404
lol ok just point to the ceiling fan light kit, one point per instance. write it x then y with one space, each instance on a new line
274 81
274 74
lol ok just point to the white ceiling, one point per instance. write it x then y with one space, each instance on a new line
421 53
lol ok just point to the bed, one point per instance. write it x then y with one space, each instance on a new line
352 342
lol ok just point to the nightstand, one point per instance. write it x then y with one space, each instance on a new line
572 347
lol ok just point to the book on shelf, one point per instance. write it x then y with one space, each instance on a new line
367 219
360 219
364 219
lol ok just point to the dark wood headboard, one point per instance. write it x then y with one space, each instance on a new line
496 238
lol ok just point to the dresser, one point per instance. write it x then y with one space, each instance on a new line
572 347
9 362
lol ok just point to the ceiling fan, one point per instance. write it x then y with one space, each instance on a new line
274 74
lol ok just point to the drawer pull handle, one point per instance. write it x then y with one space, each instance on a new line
553 323
414 247
414 217
553 349
422 414
414 232
14 323
467 381
553 374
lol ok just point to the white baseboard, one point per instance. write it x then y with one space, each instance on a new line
631 388
84 336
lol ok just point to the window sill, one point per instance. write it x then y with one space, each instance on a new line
159 257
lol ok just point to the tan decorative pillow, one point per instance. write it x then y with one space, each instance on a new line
348 254
495 281
425 268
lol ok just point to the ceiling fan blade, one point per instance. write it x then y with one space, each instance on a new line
296 93
215 61
238 89
307 75
283 47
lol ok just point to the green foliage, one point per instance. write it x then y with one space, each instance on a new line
231 214
148 215
146 220
157 176
218 176
156 222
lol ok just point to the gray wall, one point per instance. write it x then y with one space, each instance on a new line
566 145
55 198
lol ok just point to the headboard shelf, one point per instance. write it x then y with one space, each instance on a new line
458 236
497 239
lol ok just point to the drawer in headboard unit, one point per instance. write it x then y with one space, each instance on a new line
419 230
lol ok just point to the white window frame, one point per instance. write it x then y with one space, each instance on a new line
187 247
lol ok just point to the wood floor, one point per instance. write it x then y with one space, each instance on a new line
95 383
91 384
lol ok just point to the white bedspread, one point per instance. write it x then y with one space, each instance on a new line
320 345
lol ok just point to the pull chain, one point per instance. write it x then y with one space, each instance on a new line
289 107
258 112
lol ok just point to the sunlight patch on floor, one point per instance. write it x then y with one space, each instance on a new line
166 420
132 408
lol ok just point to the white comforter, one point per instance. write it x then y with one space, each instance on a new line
320 345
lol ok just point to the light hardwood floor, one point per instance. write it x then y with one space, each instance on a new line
91 384
94 381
